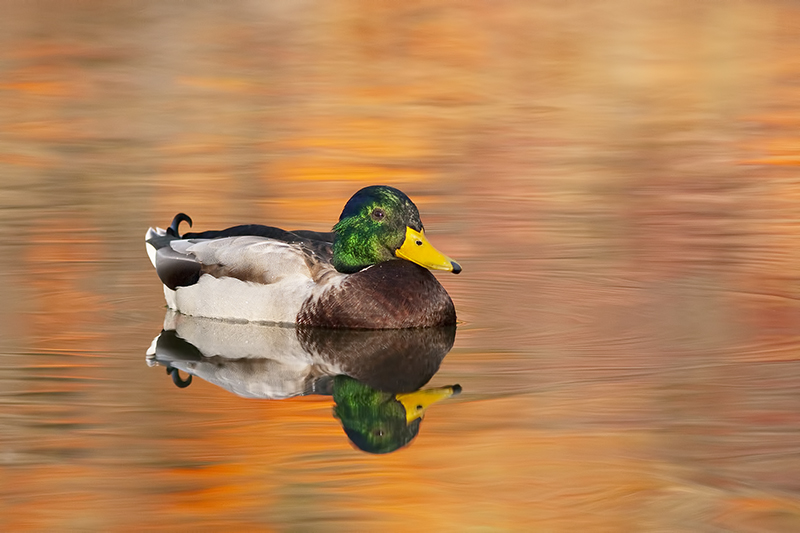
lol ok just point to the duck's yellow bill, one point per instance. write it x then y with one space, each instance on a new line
416 402
417 249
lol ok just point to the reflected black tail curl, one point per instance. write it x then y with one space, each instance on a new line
176 222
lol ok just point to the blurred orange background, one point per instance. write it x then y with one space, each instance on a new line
619 181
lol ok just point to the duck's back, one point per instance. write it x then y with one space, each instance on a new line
244 278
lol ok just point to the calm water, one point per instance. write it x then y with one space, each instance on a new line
620 184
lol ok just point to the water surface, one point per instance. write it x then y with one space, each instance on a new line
620 185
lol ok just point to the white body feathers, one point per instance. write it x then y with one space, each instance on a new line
258 279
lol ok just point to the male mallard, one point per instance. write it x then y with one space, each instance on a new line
366 273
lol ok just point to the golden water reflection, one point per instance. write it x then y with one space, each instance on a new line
620 183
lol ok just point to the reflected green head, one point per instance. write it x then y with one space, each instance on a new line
373 420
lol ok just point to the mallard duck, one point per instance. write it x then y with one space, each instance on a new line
370 272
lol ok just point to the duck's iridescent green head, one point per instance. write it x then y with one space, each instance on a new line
380 223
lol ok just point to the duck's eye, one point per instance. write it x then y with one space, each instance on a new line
378 214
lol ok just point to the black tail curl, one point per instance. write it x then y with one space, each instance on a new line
176 378
176 222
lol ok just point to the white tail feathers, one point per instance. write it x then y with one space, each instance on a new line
151 250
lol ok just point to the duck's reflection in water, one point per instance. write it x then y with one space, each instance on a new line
374 376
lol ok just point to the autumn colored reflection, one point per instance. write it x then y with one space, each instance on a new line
619 181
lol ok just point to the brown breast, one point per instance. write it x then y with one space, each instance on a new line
393 294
